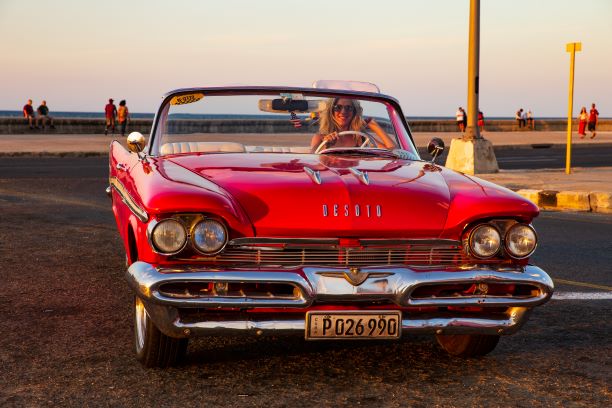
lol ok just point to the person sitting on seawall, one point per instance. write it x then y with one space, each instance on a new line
43 115
343 115
28 113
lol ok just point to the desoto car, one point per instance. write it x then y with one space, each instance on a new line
277 210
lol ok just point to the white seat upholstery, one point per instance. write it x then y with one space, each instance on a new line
205 147
277 149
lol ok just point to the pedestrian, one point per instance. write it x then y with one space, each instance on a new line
110 111
28 113
583 118
123 116
481 121
593 120
43 115
523 118
460 116
530 120
464 119
517 116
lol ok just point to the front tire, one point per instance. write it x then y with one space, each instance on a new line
153 348
467 345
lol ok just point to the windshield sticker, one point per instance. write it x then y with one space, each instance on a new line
185 99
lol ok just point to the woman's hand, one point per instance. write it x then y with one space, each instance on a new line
331 138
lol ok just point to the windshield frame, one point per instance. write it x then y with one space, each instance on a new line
398 120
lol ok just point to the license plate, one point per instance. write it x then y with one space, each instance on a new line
358 325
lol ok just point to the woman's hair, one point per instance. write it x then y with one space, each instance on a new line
583 109
327 123
122 103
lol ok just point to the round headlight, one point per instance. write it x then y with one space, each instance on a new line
169 236
484 241
521 240
209 236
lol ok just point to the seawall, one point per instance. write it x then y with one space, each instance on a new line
11 125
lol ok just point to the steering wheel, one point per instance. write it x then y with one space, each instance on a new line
369 140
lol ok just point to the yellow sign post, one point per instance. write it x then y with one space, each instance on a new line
572 48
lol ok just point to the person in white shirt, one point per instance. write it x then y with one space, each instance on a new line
460 116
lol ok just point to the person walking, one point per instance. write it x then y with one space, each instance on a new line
110 112
593 120
28 113
460 116
481 121
123 116
583 119
43 115
523 118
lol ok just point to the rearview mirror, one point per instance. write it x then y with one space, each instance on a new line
435 147
136 142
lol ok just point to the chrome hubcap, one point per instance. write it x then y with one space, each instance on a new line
140 323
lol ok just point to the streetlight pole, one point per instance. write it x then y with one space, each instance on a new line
472 154
572 48
472 132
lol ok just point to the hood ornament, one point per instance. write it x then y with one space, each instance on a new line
361 175
313 174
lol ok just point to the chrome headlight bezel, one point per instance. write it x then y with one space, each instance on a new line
194 236
155 224
508 241
470 241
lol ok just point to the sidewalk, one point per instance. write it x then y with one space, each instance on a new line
586 189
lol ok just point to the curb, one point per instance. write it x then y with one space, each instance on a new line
596 201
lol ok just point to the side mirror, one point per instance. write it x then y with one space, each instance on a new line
136 142
435 147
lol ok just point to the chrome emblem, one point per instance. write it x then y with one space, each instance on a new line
356 210
355 276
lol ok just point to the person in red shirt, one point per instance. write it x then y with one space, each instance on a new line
28 113
110 111
593 119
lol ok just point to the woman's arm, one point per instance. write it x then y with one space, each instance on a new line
375 127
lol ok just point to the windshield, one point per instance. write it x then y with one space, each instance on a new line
296 123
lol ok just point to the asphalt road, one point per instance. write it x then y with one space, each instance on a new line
546 156
65 323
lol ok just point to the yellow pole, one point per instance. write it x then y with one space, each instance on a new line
571 48
472 132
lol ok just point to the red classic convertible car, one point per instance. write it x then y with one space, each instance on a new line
272 210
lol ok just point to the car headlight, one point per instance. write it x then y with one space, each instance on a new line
521 240
209 236
168 236
484 241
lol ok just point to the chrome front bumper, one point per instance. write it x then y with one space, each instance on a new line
327 285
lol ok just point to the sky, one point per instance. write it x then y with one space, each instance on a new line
78 53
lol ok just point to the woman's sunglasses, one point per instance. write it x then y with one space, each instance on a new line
346 108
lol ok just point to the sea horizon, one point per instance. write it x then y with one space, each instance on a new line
140 115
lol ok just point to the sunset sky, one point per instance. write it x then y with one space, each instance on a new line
77 54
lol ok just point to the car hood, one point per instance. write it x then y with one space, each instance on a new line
301 195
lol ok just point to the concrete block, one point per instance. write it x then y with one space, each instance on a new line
472 156
531 195
601 201
573 200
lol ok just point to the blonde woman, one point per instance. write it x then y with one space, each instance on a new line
583 118
345 115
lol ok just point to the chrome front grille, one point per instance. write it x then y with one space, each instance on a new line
413 253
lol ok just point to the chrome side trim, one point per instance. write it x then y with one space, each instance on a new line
128 200
314 175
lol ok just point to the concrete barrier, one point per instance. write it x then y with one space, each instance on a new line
13 125
596 201
601 202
